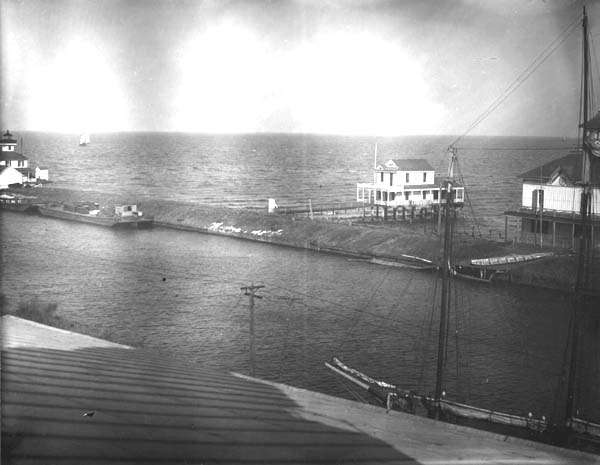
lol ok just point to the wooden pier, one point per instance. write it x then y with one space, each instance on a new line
74 399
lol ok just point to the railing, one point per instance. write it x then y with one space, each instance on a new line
319 209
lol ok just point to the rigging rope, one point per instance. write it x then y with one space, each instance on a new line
467 196
424 341
522 77
594 61
359 314
376 320
457 355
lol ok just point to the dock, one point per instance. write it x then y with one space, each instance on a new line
74 399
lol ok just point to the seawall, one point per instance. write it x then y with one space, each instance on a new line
349 237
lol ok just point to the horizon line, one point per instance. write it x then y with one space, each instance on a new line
283 133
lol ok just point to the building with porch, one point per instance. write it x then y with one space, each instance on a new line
405 183
550 211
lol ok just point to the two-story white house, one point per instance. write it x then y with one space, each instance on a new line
551 202
405 183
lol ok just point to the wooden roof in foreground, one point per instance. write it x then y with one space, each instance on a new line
73 399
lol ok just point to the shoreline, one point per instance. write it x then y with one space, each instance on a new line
350 237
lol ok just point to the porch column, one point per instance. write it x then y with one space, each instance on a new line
553 234
573 237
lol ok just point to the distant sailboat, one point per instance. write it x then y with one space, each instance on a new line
84 139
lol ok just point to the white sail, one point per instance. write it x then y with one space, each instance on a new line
84 139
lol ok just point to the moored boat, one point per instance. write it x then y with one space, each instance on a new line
405 261
479 273
566 424
510 259
395 398
123 215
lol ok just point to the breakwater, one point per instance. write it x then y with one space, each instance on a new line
363 238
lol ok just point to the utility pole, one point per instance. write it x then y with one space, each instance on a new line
250 292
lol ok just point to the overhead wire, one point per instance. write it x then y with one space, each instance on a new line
522 77
359 315
374 320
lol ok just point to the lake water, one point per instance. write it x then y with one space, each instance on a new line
179 292
242 170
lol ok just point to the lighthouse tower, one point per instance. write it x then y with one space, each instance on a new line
8 153
8 143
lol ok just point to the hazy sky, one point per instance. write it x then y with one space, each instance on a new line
342 67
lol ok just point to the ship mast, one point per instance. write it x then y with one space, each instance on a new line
445 274
582 268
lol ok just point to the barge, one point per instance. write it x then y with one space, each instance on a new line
123 215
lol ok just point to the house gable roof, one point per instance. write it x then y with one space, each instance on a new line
567 167
8 169
405 164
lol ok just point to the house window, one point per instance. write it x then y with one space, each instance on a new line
392 195
406 194
459 194
377 195
425 177
537 199
385 196
407 176
391 179
436 195
425 194
382 176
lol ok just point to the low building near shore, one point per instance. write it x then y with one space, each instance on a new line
11 158
405 183
41 173
550 211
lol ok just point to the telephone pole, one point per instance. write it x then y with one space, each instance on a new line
250 292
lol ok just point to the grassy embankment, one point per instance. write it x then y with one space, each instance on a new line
351 237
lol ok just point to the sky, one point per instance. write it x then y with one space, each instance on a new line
379 67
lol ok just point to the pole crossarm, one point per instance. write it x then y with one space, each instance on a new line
250 290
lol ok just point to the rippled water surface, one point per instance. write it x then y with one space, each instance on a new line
243 170
179 293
